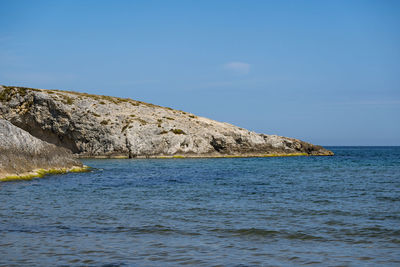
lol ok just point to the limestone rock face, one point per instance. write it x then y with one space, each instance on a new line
103 126
22 153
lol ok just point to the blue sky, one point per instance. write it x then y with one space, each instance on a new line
327 72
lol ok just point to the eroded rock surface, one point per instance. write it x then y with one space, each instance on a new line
103 126
21 153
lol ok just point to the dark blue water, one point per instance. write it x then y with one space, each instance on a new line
331 211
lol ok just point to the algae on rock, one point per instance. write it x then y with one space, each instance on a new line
23 156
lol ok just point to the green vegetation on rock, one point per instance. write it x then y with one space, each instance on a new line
177 131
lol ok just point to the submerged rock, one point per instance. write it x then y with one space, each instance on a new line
103 126
23 156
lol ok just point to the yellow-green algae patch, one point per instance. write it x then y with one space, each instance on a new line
43 172
189 156
172 157
285 155
232 156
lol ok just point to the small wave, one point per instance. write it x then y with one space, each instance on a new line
253 231
390 199
322 201
336 222
302 236
154 229
375 231
257 232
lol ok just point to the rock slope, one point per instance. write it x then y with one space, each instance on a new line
24 156
103 126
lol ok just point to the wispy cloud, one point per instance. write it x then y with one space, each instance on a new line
238 67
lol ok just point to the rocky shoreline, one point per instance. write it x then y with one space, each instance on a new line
45 131
200 156
23 157
95 126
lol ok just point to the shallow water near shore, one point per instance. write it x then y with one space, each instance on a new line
338 211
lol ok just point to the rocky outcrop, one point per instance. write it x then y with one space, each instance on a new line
103 126
23 156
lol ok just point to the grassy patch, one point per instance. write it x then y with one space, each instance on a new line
69 100
4 96
177 131
9 92
66 99
115 100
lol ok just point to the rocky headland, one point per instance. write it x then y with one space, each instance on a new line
112 127
23 156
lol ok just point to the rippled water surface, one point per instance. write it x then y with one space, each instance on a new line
338 211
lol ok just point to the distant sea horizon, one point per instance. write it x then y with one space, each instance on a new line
327 146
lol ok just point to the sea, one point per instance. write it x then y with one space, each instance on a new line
342 210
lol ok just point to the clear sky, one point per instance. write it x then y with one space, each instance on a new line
327 72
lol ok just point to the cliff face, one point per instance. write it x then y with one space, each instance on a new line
22 155
102 126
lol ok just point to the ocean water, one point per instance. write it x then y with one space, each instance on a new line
324 211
